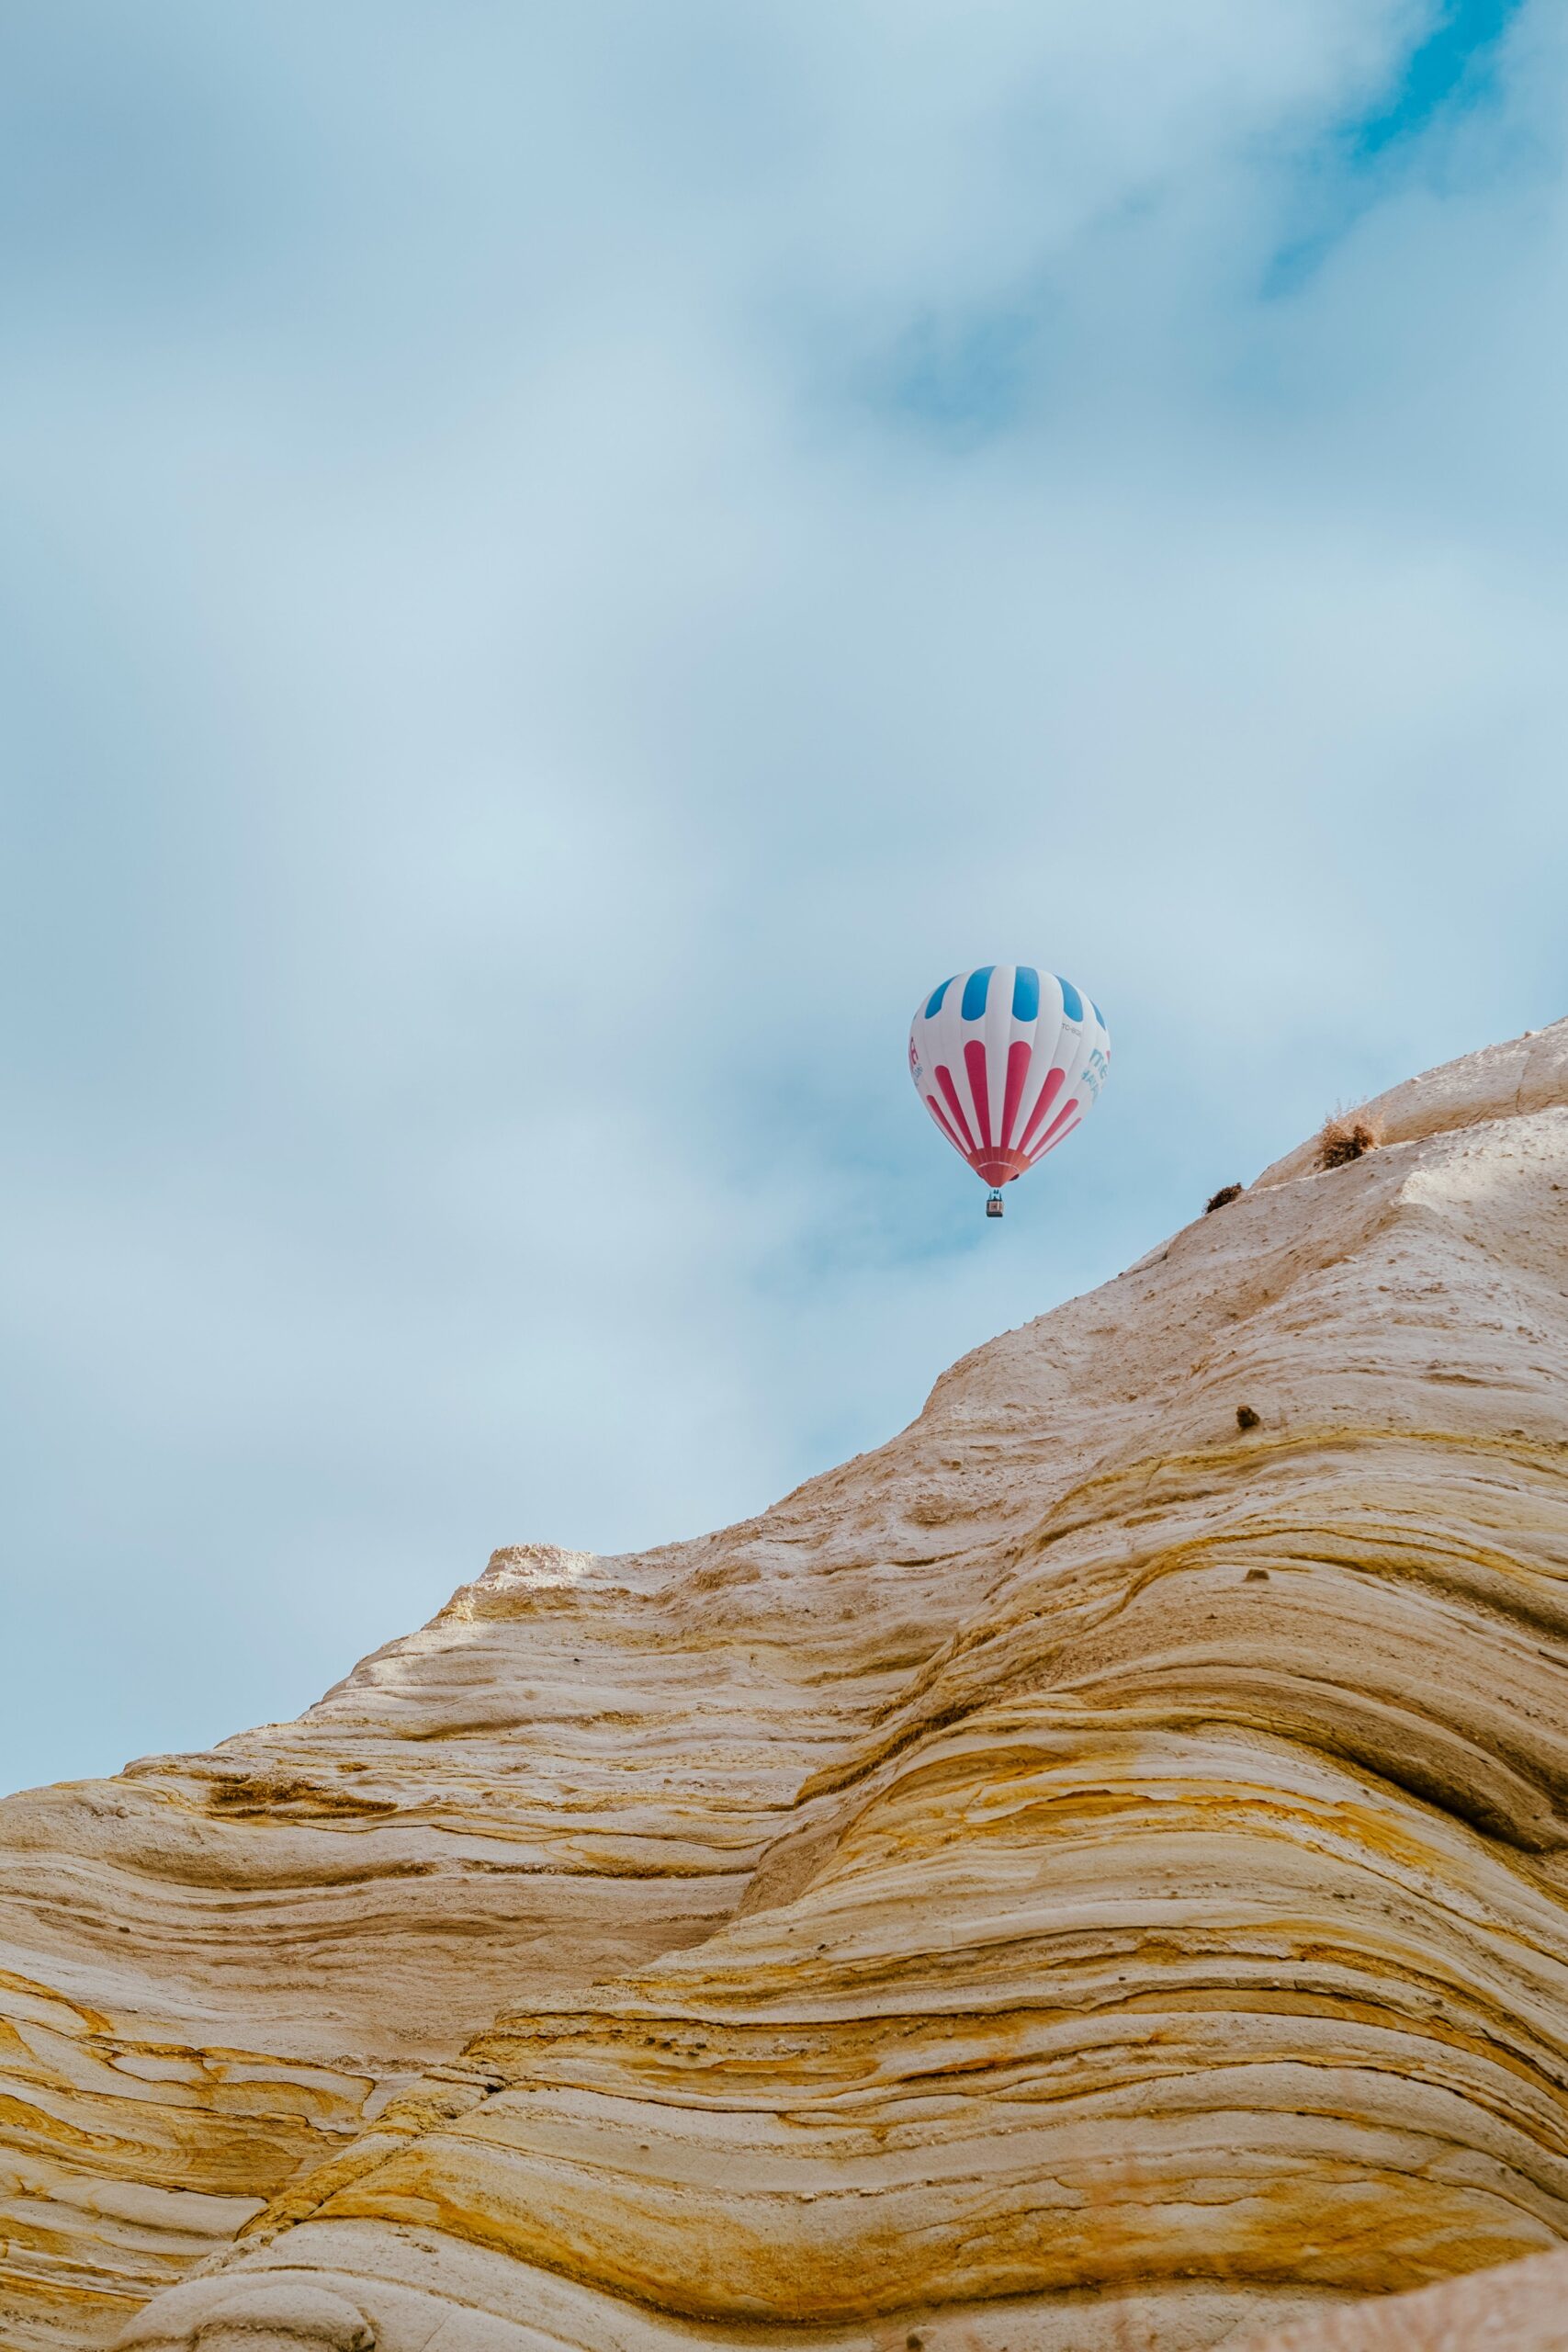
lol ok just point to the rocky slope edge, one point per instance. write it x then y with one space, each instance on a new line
1091 1872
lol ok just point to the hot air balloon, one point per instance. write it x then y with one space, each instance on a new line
1007 1060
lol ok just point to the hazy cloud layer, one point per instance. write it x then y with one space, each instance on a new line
562 565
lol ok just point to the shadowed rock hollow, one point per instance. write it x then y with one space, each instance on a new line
1090 1874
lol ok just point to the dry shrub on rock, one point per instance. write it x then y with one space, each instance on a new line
1345 1135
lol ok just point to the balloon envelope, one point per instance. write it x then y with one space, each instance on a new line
1008 1060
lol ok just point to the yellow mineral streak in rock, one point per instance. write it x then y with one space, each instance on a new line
1090 1874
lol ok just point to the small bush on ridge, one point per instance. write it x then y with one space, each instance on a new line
1345 1137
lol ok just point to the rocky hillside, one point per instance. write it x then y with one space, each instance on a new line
1092 1873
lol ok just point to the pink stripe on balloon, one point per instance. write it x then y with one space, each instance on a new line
1060 1126
1048 1095
1020 1054
945 1123
979 1087
944 1079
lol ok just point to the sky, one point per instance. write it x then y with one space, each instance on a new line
561 567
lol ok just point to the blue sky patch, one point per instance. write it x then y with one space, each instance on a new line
1453 68
1452 71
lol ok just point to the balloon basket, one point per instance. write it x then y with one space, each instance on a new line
994 1204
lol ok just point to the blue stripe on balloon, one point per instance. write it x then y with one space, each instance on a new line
1071 1003
1097 1014
1025 993
933 1002
975 988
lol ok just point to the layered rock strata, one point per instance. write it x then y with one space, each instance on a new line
1090 1874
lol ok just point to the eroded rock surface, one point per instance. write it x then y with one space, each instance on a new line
1091 1873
